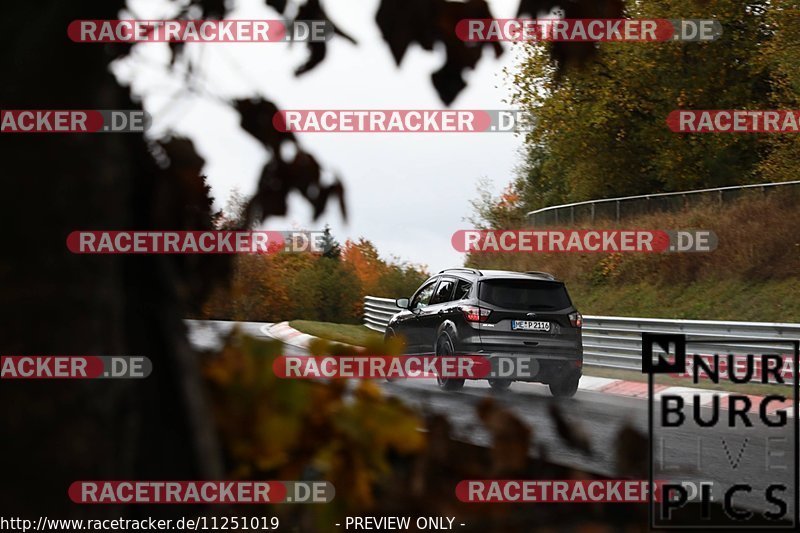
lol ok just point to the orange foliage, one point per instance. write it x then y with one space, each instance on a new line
367 264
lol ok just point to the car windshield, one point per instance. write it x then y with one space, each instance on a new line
524 294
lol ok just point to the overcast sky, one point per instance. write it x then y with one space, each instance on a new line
406 192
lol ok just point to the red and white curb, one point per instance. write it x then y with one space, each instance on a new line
288 335
638 389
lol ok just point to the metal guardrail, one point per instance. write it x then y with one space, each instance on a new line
618 208
378 311
616 342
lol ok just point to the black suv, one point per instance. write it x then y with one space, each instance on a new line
496 314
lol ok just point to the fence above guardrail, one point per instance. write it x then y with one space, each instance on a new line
616 342
617 209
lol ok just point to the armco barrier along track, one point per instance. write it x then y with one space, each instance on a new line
616 342
618 209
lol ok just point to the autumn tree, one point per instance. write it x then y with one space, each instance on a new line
366 262
400 280
601 132
391 278
330 246
781 55
328 290
504 211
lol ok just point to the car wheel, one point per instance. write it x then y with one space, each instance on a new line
444 348
566 387
500 384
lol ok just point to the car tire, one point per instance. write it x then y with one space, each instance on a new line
500 384
444 347
566 387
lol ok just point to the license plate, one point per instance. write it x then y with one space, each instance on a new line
530 325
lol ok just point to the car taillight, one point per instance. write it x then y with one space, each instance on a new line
473 313
576 319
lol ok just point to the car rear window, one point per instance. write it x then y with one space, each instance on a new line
524 294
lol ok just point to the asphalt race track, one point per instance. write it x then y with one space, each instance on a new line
692 454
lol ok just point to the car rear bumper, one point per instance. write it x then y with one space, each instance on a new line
533 367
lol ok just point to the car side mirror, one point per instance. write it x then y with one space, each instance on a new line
402 303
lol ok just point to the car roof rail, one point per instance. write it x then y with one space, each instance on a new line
540 273
463 269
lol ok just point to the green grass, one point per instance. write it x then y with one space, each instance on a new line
765 301
756 389
354 334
